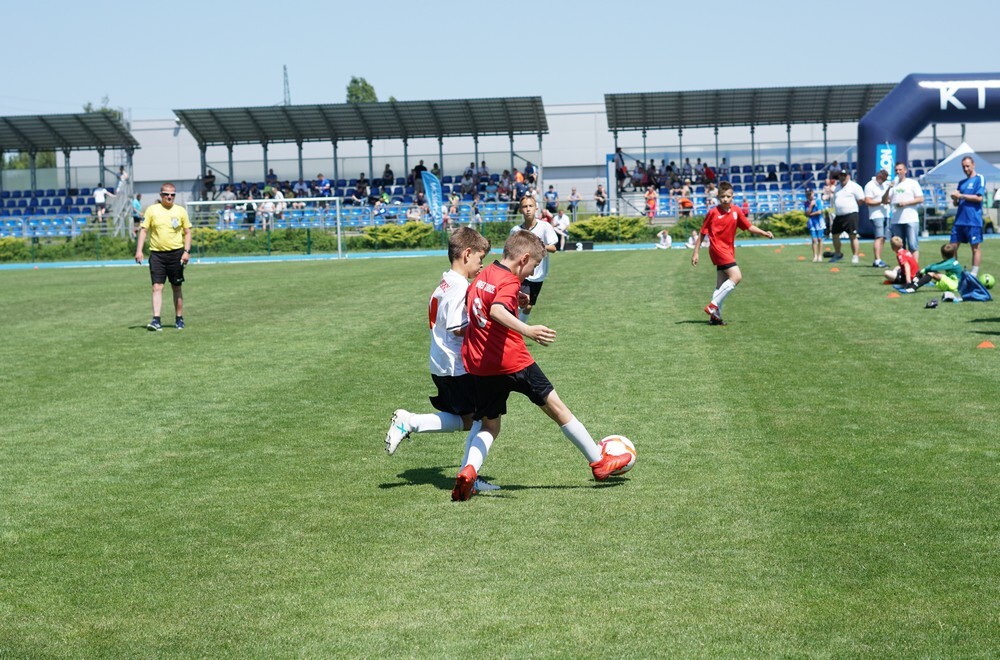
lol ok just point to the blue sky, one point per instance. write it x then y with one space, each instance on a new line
150 58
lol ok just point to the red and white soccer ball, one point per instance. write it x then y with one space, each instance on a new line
616 445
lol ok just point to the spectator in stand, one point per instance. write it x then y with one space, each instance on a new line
322 186
905 195
470 172
271 178
265 211
301 188
711 195
361 190
388 178
699 172
363 182
551 199
723 171
878 212
709 174
574 201
208 185
600 199
482 174
686 170
638 174
652 178
506 180
530 174
491 190
243 190
468 183
503 191
520 190
413 214
833 171
453 201
772 176
746 208
652 198
228 195
100 200
122 178
279 202
436 171
418 176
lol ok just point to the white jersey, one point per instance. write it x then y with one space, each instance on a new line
846 198
906 190
446 313
876 190
544 231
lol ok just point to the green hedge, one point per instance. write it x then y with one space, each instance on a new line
613 229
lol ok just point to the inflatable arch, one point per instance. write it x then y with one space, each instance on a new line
919 100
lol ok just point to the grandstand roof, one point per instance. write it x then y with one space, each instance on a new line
366 121
743 107
89 130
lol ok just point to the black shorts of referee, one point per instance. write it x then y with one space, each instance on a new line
166 265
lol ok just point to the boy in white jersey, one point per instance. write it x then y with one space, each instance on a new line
448 318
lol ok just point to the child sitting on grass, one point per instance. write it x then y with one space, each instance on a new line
906 272
946 273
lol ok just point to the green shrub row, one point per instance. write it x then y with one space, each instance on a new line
410 235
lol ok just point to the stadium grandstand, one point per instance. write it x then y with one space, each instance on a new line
66 209
770 143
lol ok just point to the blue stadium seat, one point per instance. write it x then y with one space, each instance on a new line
929 162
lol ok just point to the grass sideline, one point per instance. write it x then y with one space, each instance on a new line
818 478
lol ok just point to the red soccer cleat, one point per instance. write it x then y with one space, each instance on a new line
608 464
712 309
464 484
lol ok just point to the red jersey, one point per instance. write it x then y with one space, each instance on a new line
490 349
903 256
721 230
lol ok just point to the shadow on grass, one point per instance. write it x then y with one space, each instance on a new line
997 320
443 478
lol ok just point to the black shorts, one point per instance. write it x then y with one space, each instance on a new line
456 394
531 289
492 391
165 266
848 223
726 266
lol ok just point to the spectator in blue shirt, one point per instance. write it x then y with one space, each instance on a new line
968 227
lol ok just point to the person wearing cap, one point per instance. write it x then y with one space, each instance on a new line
846 196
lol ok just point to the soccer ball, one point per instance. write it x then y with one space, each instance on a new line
616 445
988 280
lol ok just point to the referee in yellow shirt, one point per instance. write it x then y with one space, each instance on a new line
169 232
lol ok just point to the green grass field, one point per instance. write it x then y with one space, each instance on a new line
818 478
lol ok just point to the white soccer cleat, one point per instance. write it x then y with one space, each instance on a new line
483 486
399 430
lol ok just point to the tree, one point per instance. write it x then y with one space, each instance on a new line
22 161
89 107
360 90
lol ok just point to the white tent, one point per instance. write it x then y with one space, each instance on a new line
949 170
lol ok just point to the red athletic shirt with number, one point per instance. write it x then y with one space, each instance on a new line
491 349
721 230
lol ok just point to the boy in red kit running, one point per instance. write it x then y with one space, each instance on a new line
720 226
495 354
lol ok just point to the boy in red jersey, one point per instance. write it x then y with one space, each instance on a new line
908 268
495 354
720 226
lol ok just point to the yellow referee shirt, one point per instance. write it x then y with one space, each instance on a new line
165 227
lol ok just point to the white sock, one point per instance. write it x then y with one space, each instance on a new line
579 436
439 422
975 271
477 446
720 294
